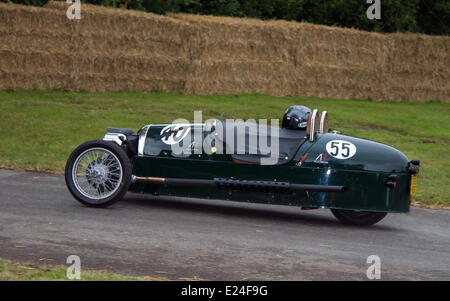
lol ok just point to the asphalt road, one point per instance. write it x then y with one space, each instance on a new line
179 238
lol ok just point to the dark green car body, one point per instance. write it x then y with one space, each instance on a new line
364 174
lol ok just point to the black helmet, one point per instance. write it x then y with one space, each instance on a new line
296 118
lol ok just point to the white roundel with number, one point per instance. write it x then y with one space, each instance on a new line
174 133
341 149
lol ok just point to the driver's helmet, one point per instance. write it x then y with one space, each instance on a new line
296 118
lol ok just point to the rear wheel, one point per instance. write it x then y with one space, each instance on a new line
98 173
358 218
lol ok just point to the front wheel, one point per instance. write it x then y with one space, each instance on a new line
358 218
98 173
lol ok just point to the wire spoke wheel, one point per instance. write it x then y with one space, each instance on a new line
97 173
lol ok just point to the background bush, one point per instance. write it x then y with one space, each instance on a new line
422 16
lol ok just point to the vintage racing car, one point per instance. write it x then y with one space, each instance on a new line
359 180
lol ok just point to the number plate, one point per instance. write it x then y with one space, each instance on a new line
413 185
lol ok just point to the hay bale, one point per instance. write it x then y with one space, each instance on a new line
115 49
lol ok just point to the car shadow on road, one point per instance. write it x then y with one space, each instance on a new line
260 212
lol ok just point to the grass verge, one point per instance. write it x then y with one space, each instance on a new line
12 271
39 129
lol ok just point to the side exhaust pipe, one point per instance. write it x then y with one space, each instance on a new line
241 185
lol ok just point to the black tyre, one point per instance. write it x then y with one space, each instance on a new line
358 218
98 173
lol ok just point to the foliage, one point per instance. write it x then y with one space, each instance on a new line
14 271
424 16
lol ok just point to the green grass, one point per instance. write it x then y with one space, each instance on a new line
12 271
39 129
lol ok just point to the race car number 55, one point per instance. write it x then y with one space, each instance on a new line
245 290
341 149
